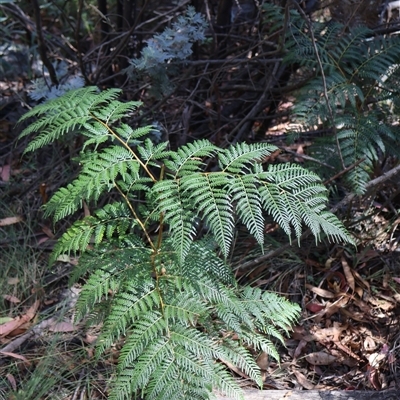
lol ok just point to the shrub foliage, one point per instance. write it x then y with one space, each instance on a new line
156 259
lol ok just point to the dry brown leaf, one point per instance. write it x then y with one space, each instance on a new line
12 381
299 349
397 280
263 361
300 151
321 292
346 350
361 281
48 231
348 274
385 280
303 380
357 316
10 220
328 263
332 308
13 355
364 307
375 359
10 326
381 303
320 358
315 307
337 330
31 311
86 211
13 281
11 299
5 173
359 291
90 338
369 343
42 239
63 327
235 369
374 379
333 333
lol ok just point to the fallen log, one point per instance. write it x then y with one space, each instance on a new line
252 394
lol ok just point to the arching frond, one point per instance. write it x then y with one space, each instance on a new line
152 261
359 79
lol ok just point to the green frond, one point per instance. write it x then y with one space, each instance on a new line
223 381
72 97
149 151
239 157
65 114
114 110
260 342
185 309
97 288
241 357
98 175
146 329
140 373
288 192
190 157
140 298
111 218
210 198
131 135
123 251
202 258
155 263
177 214
269 308
245 194
76 239
358 66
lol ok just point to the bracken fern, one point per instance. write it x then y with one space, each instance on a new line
354 93
156 260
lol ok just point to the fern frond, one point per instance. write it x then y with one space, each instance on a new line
245 194
130 135
112 111
209 197
177 214
98 175
149 151
147 328
97 288
123 251
358 66
65 114
170 294
140 297
241 357
239 157
185 309
201 258
113 217
190 157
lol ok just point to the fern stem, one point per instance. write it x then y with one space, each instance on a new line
339 174
144 166
136 216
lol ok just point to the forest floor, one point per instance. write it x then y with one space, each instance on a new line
347 338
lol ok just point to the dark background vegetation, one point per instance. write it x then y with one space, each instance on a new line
234 87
